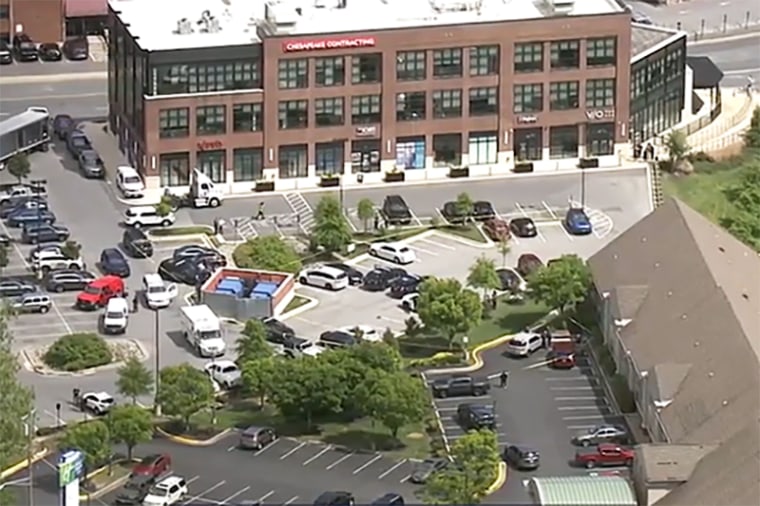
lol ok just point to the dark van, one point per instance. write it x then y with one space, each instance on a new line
76 49
136 243
25 48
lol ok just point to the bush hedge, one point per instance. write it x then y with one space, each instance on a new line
267 253
75 352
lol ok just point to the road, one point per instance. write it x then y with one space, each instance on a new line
696 16
736 58
81 98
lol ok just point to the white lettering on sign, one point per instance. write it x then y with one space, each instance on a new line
599 114
320 44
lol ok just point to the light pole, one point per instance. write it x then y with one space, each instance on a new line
29 424
340 192
156 333
37 185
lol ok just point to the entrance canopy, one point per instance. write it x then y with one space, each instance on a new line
706 73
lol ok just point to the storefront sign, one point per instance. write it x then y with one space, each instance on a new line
526 120
366 131
208 145
600 114
294 46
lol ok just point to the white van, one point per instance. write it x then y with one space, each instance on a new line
324 277
158 293
129 182
116 316
524 344
141 216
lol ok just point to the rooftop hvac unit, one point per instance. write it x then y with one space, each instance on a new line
562 6
184 27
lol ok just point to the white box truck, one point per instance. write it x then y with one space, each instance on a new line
203 330
203 192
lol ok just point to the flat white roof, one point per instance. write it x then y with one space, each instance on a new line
174 24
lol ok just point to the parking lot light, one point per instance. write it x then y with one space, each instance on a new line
38 184
157 378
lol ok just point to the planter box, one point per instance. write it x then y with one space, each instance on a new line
588 163
523 167
264 186
329 182
395 177
455 172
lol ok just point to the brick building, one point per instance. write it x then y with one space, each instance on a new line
52 20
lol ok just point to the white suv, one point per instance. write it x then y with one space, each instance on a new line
324 277
50 260
158 293
129 182
524 344
116 316
393 252
166 492
140 216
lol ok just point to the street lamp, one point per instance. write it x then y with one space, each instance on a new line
29 425
37 185
583 188
156 333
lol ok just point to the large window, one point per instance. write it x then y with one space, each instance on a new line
483 148
329 111
601 51
483 101
484 60
330 157
293 73
447 150
529 57
293 114
365 109
207 77
447 103
174 169
174 123
248 164
528 144
210 120
600 139
329 71
247 118
212 164
447 62
565 54
529 98
410 106
410 66
563 142
410 153
600 93
367 68
293 161
563 95
365 156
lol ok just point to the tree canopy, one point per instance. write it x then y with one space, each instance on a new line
445 306
483 275
562 283
365 210
19 166
184 390
92 439
130 425
331 229
268 253
465 205
393 399
744 200
134 379
252 343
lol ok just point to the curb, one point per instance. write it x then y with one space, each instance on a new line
476 362
10 471
501 479
108 488
190 441
299 310
45 371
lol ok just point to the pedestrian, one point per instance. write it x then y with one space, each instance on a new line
377 221
494 299
504 379
75 393
260 213
135 303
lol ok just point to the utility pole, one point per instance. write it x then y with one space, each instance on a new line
583 188
157 379
29 424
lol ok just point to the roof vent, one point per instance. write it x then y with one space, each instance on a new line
710 374
725 403
683 316
184 27
656 265
561 6
670 294
745 296
208 23
696 344
721 249
643 239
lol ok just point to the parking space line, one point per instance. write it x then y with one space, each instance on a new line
575 388
562 378
265 496
291 452
549 210
241 491
405 478
208 490
560 399
315 457
437 244
392 468
445 409
367 464
580 427
233 447
415 218
584 417
426 251
578 408
63 320
344 457
266 447
291 500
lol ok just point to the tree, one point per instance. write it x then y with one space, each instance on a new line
465 206
483 276
743 216
443 305
252 343
677 146
184 391
379 356
4 257
258 377
752 135
504 250
134 379
165 206
561 284
71 249
75 352
365 209
92 439
268 253
394 399
19 166
331 229
130 425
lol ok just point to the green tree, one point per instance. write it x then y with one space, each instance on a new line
483 276
75 352
164 206
92 439
268 253
19 166
393 399
465 206
71 249
752 135
134 379
252 343
444 305
184 391
258 377
561 284
504 249
331 229
677 146
4 257
130 425
742 218
365 209
379 356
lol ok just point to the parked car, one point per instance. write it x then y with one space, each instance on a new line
277 331
395 211
393 252
129 182
38 233
510 280
13 287
90 164
355 276
34 302
460 386
604 455
522 458
76 49
405 285
186 271
380 278
294 347
473 416
5 239
113 262
14 207
605 433
256 438
336 339
422 471
135 490
97 403
153 466
25 48
136 243
211 257
452 212
51 260
389 499
76 142
146 216
577 221
483 210
62 125
67 279
524 344
528 263
523 227
409 302
28 216
6 55
335 498
12 193
98 292
166 492
363 332
225 373
496 229
323 277
49 51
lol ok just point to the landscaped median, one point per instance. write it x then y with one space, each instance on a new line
24 463
105 479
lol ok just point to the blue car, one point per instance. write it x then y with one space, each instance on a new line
26 216
16 207
113 261
577 222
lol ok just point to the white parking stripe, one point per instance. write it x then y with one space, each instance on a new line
563 378
194 478
268 494
344 457
415 218
549 210
560 399
437 244
391 469
291 500
426 251
241 491
211 489
580 427
574 388
588 417
578 408
367 464
267 447
405 478
315 457
291 452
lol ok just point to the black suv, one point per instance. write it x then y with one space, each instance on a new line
476 416
25 48
522 458
395 211
6 56
136 243
336 339
135 490
68 279
405 285
76 49
335 499
380 278
277 332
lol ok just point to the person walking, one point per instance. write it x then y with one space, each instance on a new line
504 379
135 303
260 213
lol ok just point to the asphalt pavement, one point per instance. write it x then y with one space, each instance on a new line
696 16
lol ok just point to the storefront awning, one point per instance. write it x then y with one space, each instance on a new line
86 8
706 73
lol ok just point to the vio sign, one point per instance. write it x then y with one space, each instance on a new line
600 114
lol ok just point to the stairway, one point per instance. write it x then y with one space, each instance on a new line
245 228
302 208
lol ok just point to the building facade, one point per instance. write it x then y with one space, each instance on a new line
292 108
52 20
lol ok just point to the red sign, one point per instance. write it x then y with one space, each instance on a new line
294 46
207 145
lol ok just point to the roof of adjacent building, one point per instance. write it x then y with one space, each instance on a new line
706 73
646 39
586 490
156 24
666 463
694 328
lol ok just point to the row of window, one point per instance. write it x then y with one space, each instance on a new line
366 109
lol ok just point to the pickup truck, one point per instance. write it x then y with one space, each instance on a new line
17 192
460 386
604 455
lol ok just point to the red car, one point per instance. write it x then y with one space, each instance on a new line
99 292
605 455
153 466
496 229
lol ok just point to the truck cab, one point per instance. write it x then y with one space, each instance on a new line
100 291
203 191
203 330
562 353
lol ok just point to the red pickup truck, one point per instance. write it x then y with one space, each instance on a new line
605 455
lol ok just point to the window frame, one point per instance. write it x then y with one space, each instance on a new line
322 71
411 65
170 120
525 60
441 97
256 118
244 164
598 95
478 93
356 68
293 73
447 63
484 64
556 59
601 51
372 116
556 90
286 107
320 103
302 152
202 128
177 164
520 106
414 98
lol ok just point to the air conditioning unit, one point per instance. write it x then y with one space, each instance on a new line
562 6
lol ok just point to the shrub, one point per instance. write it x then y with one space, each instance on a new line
268 253
75 352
